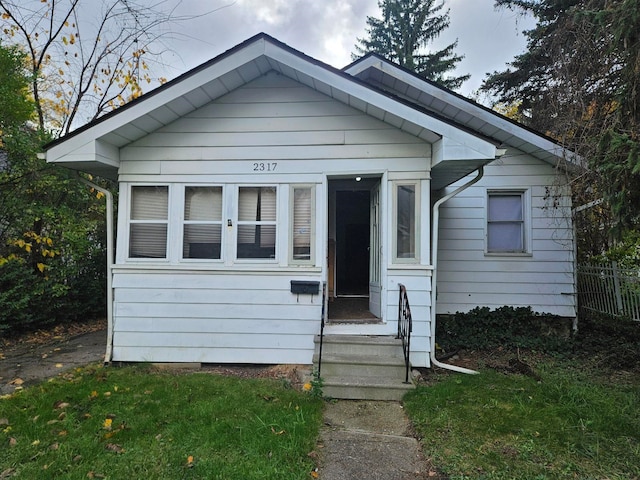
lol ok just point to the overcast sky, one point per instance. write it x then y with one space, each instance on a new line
327 30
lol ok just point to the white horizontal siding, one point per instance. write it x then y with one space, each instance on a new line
164 316
542 279
163 170
210 355
418 285
276 119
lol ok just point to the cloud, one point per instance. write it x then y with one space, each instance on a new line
328 30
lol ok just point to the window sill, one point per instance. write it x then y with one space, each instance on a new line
218 268
509 254
409 266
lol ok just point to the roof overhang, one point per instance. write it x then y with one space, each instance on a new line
506 133
95 148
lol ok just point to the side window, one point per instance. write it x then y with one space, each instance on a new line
302 224
406 231
506 222
202 229
256 222
148 222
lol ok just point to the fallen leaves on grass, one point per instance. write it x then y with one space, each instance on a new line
114 447
7 473
93 474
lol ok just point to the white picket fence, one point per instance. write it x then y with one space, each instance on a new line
605 288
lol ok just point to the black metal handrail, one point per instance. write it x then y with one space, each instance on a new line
405 327
322 322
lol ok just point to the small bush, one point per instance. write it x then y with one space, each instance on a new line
483 328
26 298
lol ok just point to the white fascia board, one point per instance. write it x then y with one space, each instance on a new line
364 64
158 100
463 105
90 151
447 149
379 100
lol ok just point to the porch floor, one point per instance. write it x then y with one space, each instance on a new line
351 310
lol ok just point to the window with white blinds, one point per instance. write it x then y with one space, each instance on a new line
256 236
202 229
505 222
148 223
302 223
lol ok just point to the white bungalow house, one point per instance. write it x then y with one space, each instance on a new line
252 181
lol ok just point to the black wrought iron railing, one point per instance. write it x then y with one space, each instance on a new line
405 326
322 322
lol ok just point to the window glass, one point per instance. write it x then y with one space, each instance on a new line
505 222
406 221
256 222
148 222
202 235
302 213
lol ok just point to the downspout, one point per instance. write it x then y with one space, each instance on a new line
434 262
109 197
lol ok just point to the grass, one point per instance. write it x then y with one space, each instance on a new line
135 423
571 424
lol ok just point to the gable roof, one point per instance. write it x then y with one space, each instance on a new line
460 145
505 132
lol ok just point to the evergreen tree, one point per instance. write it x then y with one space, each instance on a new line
403 34
578 81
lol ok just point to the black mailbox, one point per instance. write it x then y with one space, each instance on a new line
303 286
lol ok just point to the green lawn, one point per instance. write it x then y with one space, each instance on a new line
134 423
571 425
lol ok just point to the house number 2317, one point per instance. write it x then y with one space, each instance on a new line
264 166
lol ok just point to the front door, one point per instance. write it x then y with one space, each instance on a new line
352 243
354 250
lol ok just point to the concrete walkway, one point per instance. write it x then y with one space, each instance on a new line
30 364
369 439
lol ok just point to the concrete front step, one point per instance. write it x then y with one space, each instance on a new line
385 346
365 388
362 367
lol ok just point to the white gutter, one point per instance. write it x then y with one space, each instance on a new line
434 262
109 196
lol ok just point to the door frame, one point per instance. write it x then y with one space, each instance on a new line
369 182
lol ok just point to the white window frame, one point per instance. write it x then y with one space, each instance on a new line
184 222
312 226
166 221
525 195
238 223
417 214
